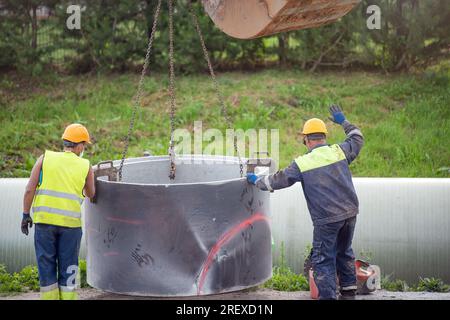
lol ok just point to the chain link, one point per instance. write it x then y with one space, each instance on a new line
171 93
138 96
216 85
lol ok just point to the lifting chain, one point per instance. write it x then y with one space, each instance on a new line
138 96
171 93
216 85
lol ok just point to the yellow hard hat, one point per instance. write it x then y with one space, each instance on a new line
76 133
314 125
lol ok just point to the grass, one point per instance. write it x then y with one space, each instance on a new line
284 279
28 279
424 285
396 285
25 280
405 118
432 285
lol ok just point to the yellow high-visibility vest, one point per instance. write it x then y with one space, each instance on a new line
58 198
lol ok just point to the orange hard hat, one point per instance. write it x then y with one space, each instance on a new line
314 125
76 133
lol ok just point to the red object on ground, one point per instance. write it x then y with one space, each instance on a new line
362 275
312 286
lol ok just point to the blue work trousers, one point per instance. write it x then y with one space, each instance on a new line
57 250
333 256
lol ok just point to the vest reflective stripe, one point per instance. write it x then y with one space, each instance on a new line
59 197
57 194
58 203
62 212
320 157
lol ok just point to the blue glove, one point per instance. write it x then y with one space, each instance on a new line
251 178
338 115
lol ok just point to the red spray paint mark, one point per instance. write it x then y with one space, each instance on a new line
128 221
224 239
110 253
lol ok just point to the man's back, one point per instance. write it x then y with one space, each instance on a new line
327 184
59 196
67 171
328 188
325 176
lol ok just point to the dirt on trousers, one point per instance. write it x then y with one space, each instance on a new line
254 294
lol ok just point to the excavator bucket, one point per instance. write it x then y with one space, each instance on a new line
257 18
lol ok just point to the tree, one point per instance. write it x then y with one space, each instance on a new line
413 33
19 32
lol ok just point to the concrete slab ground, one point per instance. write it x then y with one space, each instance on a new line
254 294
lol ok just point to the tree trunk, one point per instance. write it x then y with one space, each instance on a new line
34 28
324 52
402 33
283 43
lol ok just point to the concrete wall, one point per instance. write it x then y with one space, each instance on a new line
403 223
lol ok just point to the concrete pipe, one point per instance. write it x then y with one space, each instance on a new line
205 232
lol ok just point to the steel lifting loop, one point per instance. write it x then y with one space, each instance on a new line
104 169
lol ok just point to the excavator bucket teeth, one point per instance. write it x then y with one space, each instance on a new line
257 18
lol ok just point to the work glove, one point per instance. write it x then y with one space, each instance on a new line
26 222
338 115
252 178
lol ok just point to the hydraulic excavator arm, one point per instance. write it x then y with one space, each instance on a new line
257 18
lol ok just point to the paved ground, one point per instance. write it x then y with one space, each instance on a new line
255 294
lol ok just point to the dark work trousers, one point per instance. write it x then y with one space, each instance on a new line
57 250
333 254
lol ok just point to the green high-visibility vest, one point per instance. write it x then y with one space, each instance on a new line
320 157
59 196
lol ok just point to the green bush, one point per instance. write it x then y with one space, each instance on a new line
9 283
425 284
394 285
114 37
284 279
432 285
28 279
83 277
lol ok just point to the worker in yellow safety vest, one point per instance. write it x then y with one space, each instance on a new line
58 183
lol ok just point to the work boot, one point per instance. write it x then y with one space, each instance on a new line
347 294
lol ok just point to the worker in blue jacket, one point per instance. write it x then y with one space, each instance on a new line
332 202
